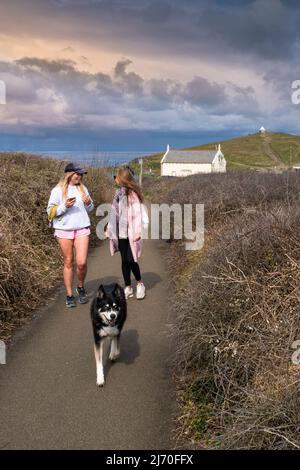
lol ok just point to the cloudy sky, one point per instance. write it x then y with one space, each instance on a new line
138 74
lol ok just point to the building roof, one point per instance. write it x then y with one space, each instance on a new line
190 156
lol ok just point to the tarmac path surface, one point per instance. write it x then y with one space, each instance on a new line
48 393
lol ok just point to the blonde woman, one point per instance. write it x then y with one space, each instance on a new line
125 229
68 209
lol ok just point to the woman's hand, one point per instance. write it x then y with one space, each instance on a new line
70 202
87 200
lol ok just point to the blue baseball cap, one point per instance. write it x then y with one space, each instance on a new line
71 167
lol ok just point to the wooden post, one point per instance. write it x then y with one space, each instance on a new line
141 171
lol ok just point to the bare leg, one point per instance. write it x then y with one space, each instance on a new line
98 348
67 252
81 245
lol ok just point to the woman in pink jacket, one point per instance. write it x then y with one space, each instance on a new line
125 229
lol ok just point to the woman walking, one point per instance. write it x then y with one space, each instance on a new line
125 229
68 209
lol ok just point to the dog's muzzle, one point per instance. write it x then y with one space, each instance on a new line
112 319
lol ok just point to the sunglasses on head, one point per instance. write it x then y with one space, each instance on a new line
130 171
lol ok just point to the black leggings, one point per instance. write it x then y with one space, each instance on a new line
128 263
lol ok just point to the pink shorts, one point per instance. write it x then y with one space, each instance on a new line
71 234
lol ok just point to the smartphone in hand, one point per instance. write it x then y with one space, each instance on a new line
70 202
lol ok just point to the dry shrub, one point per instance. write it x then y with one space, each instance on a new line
237 312
231 193
30 262
157 188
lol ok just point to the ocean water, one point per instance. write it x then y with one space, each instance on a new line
97 159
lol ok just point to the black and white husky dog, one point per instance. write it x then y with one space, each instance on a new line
108 312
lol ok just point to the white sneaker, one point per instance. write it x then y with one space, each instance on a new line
140 291
128 292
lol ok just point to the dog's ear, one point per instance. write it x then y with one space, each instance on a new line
118 291
101 292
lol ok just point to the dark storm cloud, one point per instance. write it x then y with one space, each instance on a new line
264 29
132 83
260 36
164 90
48 66
202 92
54 93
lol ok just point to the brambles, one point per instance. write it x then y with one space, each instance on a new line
236 307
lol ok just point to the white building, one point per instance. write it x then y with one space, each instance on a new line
188 162
262 130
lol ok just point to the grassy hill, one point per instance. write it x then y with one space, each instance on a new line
272 150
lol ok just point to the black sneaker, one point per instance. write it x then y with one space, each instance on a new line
82 295
70 302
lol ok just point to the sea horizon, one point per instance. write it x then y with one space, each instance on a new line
94 158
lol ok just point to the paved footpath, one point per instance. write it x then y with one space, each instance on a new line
48 393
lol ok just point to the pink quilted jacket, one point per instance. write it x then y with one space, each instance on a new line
134 216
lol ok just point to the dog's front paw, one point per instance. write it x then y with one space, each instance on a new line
100 381
114 357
